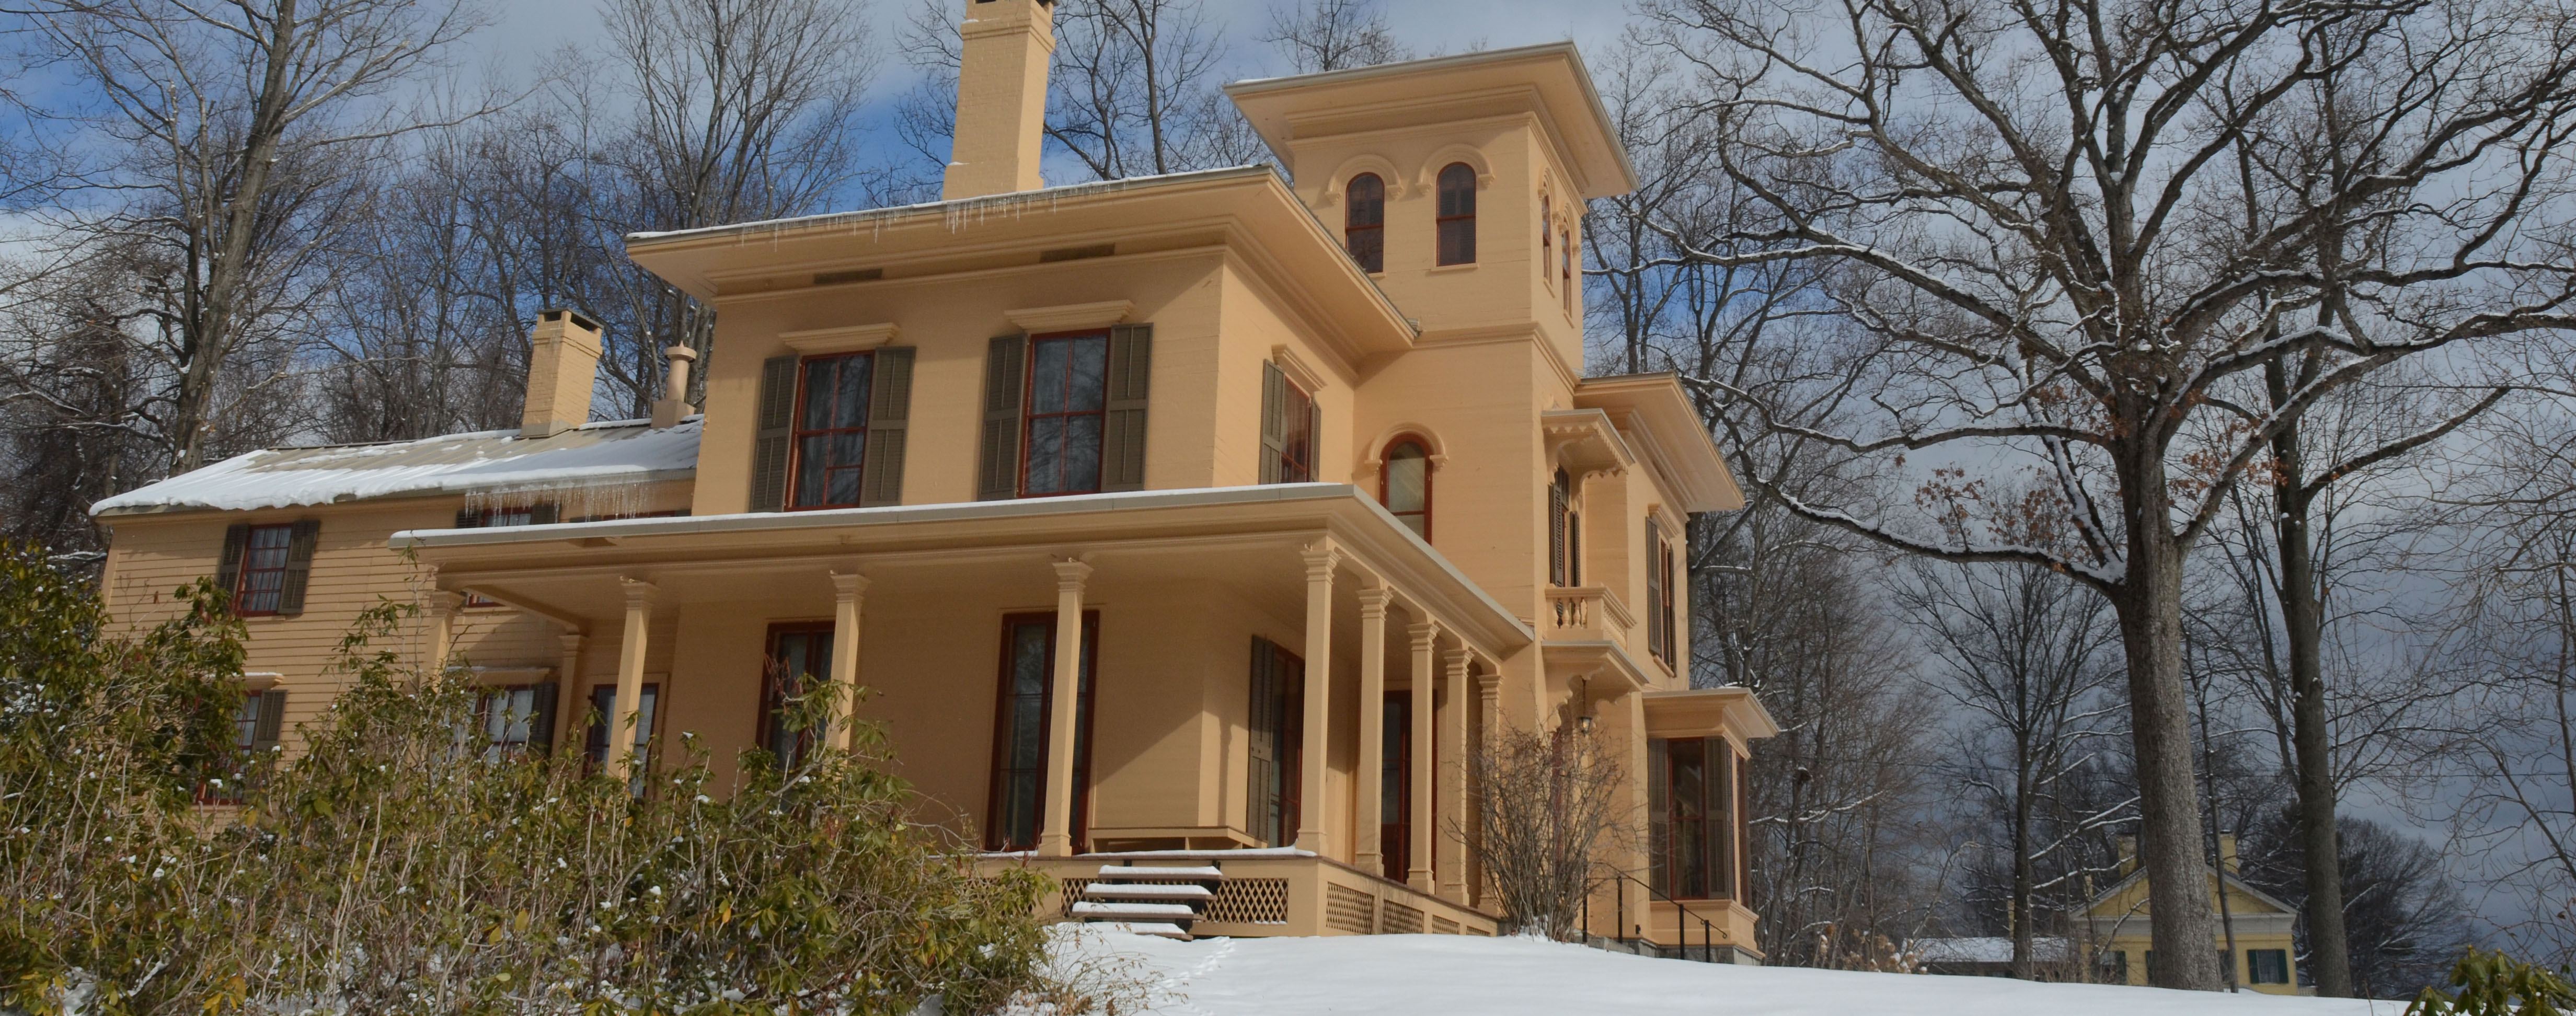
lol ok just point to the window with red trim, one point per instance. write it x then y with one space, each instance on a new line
1364 221
1457 220
263 570
1068 402
800 661
831 438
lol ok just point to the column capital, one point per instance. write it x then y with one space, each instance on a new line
1424 635
1322 556
1373 600
849 585
640 594
445 602
571 641
1457 660
1070 574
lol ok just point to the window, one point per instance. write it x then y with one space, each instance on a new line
256 725
1404 484
1457 222
1068 402
1691 793
831 434
263 570
517 720
2267 966
1663 618
1395 798
1564 534
1364 222
800 661
2115 967
1289 421
1021 738
1565 261
1546 235
603 711
1276 745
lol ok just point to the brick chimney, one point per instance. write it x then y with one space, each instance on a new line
563 364
1001 98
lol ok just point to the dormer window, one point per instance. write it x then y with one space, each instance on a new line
1457 222
1364 222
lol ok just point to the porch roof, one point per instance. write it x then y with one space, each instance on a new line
490 560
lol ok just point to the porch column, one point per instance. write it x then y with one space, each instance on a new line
1055 829
1488 719
630 676
849 592
1369 853
1453 791
1321 558
1419 817
568 685
444 604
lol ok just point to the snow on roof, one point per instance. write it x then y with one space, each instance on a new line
598 454
956 210
1983 949
1454 975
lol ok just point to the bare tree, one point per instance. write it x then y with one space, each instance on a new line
1134 89
1546 804
1333 35
2025 200
2028 660
230 138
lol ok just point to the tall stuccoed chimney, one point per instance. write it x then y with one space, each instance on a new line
563 365
1001 98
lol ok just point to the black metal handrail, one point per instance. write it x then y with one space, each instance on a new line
1683 914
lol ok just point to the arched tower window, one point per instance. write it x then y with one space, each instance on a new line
1546 233
1364 221
1458 214
1565 257
1404 484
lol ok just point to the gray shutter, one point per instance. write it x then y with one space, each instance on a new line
1654 588
541 727
468 518
299 566
769 444
889 407
1314 439
1262 746
544 513
228 570
1274 420
270 723
1131 369
997 463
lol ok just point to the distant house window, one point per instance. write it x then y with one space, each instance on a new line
2267 966
1404 484
1457 221
1068 402
263 570
831 437
1288 424
2115 967
1691 795
800 661
1364 221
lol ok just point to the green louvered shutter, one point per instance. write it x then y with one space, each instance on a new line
1122 444
299 566
997 460
889 406
228 568
769 444
1274 421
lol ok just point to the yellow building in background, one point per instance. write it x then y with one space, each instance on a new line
2255 944
1189 531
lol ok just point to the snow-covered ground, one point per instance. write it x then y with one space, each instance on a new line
1434 975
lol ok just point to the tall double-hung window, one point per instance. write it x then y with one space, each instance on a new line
265 568
1694 802
832 430
1064 413
1289 425
1022 739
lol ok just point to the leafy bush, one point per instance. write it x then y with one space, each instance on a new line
2494 984
394 869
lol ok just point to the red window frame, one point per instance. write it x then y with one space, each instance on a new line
1457 219
1030 416
1078 828
1288 731
1296 432
798 432
601 705
253 554
1395 819
1364 221
777 686
1386 488
1717 828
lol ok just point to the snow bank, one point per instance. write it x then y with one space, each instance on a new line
1436 975
615 452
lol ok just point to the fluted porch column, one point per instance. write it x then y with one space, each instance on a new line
1321 558
849 592
1419 819
630 677
1453 791
1369 853
1055 829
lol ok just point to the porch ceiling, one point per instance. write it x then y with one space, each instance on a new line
570 571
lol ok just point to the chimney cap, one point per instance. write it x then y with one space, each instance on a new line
559 313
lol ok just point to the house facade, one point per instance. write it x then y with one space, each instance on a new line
1189 533
2256 944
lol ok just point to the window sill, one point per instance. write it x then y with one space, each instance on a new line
1445 269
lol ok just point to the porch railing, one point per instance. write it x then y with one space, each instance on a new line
1624 933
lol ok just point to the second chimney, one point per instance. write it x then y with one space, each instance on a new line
1001 98
563 365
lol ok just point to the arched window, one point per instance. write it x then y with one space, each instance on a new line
1546 233
1565 257
1404 484
1458 214
1364 222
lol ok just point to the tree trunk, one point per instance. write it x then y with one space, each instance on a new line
2149 603
2329 959
2022 873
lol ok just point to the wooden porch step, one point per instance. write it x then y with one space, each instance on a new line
1148 890
1209 873
1155 929
1091 910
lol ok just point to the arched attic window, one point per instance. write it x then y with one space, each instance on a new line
1458 214
1404 484
1364 221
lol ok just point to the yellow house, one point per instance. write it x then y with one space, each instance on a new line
1189 531
2255 940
